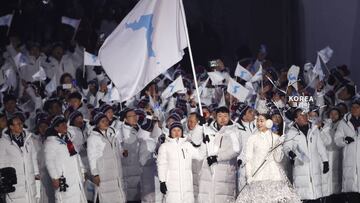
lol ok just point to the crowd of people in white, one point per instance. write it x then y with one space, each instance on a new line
71 140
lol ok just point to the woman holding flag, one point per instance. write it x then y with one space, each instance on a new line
266 181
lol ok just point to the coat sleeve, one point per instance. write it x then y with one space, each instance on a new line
162 163
249 156
94 153
340 135
34 158
321 149
289 143
52 161
278 152
325 135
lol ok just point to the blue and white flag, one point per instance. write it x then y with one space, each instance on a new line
326 54
242 73
148 41
293 75
40 75
237 90
258 75
6 20
70 21
91 59
20 60
216 78
174 87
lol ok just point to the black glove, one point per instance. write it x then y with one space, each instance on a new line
206 139
349 140
202 120
292 155
325 167
163 187
211 160
239 162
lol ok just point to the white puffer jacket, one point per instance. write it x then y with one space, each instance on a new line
308 166
218 183
174 168
105 161
24 161
59 162
351 155
79 138
245 130
131 164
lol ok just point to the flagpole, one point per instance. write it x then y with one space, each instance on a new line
84 63
190 55
73 37
8 30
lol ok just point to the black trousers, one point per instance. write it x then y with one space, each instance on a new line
352 197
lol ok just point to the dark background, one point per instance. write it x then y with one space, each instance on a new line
292 30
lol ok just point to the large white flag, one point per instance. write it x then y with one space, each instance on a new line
242 72
292 76
148 41
237 90
258 75
176 86
6 20
91 59
71 21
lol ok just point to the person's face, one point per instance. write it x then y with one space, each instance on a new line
131 118
355 110
152 90
334 115
249 115
109 114
103 124
42 128
58 52
75 103
34 51
312 115
222 119
55 109
3 122
67 80
10 106
176 132
92 88
277 119
61 128
261 123
344 94
17 126
79 121
301 118
192 121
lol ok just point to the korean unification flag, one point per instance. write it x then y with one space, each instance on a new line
242 73
6 20
292 76
91 59
148 41
258 75
70 21
323 57
174 87
20 60
237 90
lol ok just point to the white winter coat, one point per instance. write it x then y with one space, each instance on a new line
218 183
79 138
174 168
308 166
245 130
104 159
24 161
351 155
131 164
59 162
